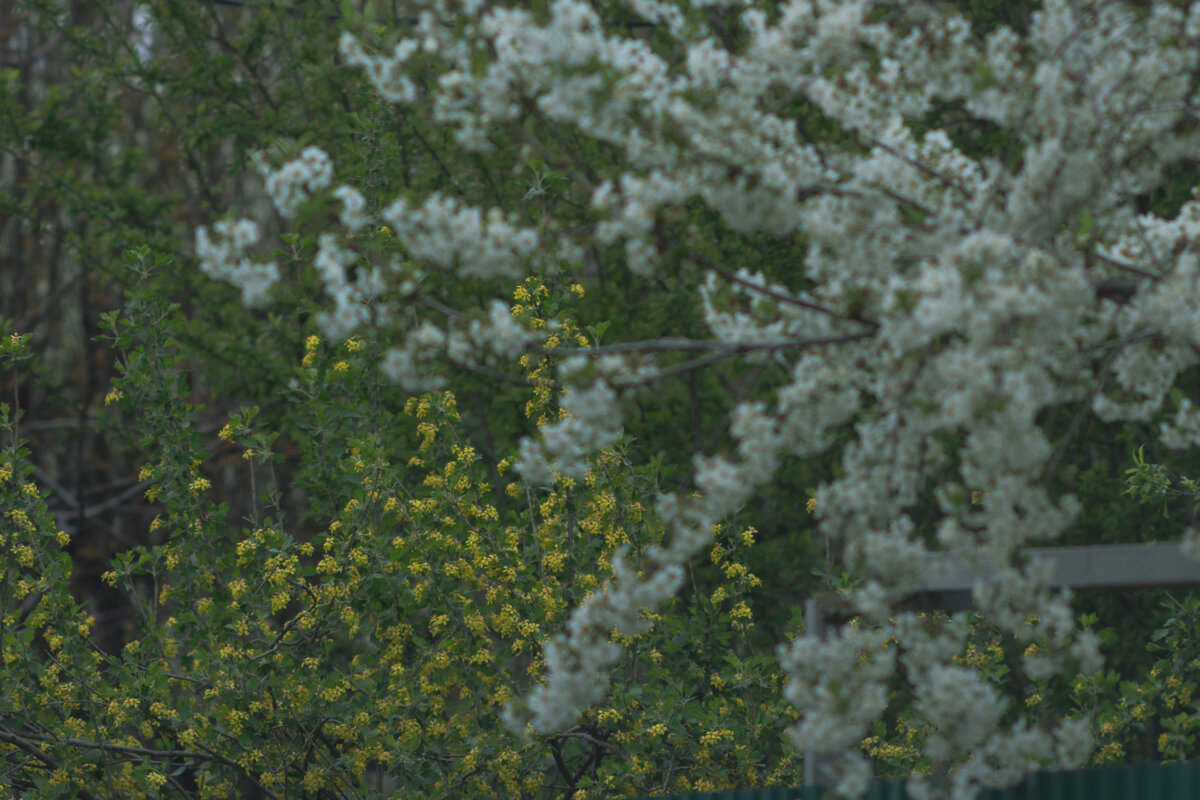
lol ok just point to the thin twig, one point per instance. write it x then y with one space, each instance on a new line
117 500
682 343
772 293
439 306
923 167
35 751
731 350
57 488
488 372
57 424
1127 267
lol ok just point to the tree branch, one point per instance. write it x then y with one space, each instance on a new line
32 749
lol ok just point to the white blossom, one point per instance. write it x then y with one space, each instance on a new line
354 217
927 309
464 239
297 180
221 255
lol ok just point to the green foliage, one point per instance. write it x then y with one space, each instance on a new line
1155 715
371 645
1148 482
340 586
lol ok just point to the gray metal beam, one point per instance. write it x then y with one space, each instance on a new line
1157 565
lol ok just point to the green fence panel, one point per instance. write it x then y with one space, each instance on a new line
772 793
1137 782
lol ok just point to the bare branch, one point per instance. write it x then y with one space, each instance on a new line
923 167
772 293
32 749
712 345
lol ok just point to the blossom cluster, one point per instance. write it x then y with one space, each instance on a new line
222 256
464 342
934 301
297 180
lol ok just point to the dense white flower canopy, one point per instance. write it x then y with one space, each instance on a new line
951 299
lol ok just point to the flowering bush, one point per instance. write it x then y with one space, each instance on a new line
371 646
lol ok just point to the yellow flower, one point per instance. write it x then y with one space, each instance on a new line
608 715
810 505
715 736
279 600
113 396
312 343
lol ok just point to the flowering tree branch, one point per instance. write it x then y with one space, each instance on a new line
984 282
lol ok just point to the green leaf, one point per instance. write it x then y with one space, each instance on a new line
1083 232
